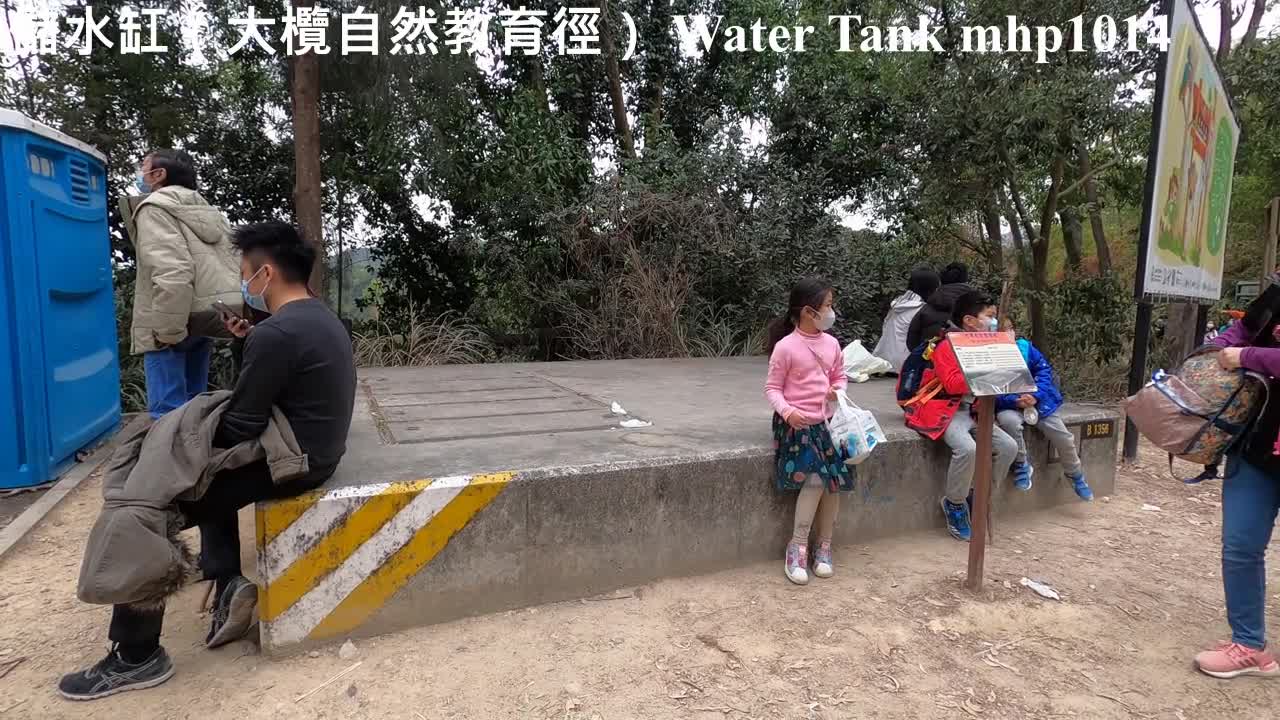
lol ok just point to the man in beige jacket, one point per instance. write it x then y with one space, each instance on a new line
185 263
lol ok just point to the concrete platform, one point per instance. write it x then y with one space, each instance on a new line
475 489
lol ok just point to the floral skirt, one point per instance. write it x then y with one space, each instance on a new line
801 453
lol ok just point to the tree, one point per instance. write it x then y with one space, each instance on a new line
1260 8
1101 247
308 191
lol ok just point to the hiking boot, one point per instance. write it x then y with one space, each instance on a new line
233 612
822 566
1230 660
797 559
957 515
1081 487
113 675
1022 472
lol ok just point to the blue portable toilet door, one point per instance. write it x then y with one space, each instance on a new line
77 306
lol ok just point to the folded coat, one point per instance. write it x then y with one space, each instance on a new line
133 554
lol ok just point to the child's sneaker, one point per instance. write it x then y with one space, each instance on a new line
1081 487
1022 472
957 515
822 566
797 559
1230 660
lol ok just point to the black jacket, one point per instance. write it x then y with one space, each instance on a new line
936 313
1259 323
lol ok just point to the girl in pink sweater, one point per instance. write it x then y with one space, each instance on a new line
806 368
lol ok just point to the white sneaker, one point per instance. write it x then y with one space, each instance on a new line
822 566
797 559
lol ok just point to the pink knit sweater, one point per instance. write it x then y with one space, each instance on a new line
802 369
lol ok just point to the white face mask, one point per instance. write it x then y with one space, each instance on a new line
993 324
826 319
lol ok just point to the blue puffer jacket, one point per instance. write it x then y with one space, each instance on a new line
1048 397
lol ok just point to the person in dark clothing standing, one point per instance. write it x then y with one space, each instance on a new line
299 359
934 316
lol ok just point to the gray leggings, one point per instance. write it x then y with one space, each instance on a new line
964 451
814 502
1054 430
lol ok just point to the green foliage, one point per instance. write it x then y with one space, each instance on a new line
497 194
1090 319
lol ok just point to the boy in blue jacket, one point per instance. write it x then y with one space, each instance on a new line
1039 409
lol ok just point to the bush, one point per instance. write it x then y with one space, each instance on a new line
1090 320
670 259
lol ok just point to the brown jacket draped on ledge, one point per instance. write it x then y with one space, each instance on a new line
133 554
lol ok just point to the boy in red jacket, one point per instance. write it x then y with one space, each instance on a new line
947 414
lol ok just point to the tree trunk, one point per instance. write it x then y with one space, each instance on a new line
308 188
1010 217
1225 21
626 143
1023 216
1095 210
662 55
1072 238
1020 264
1040 249
1019 245
1255 21
1180 332
991 220
539 82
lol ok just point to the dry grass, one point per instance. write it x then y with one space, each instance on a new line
636 311
640 307
133 385
717 337
445 340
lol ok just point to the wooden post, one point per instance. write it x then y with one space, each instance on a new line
979 518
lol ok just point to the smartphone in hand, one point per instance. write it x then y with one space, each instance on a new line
226 313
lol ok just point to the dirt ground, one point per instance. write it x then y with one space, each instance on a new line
892 636
13 502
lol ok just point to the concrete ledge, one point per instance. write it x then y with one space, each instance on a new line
365 559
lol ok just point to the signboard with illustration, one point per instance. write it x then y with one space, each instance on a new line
1195 159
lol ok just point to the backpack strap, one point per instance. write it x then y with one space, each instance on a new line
930 390
817 357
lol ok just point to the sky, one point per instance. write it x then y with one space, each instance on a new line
22 32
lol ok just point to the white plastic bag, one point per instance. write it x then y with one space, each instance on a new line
854 431
860 365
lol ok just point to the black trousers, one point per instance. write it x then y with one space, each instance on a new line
215 514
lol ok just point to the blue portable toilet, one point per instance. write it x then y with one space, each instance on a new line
59 359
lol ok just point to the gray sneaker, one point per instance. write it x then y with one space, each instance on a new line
233 613
113 675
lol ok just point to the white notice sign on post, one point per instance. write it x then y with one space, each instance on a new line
992 363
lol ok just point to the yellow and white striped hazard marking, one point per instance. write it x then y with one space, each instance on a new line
330 560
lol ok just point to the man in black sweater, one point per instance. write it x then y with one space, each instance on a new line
299 359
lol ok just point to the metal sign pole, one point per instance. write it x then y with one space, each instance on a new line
1142 323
